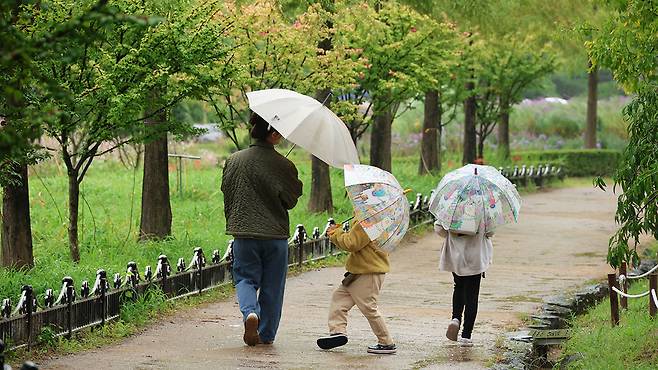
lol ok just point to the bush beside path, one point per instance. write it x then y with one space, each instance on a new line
559 244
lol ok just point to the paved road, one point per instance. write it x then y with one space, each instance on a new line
559 244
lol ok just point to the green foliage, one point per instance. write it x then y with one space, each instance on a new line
583 162
631 345
559 123
399 53
505 67
270 51
627 45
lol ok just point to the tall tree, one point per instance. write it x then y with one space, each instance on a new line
391 40
320 199
182 40
518 63
16 225
155 220
273 52
110 73
29 39
634 23
591 119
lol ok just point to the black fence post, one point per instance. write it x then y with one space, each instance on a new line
101 277
2 355
29 301
6 308
69 306
162 271
299 240
199 262
330 223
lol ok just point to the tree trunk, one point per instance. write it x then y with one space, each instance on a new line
380 140
74 200
480 147
430 157
503 131
16 226
590 129
155 223
320 200
469 126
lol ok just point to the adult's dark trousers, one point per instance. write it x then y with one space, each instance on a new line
259 271
465 301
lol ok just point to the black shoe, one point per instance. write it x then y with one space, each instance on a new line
383 349
332 341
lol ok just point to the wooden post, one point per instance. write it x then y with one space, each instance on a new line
624 287
614 305
653 286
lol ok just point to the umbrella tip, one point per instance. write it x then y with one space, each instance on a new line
476 170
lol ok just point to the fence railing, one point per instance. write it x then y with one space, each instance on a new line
619 289
76 309
524 175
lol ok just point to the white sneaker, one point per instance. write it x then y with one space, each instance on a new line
465 342
453 330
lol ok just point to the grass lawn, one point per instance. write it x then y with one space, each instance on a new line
631 345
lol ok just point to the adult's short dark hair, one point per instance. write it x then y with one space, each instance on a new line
260 129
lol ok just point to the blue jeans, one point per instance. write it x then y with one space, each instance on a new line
259 271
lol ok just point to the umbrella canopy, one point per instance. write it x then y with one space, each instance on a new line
475 196
380 205
307 123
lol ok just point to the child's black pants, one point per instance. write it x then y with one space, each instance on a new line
465 300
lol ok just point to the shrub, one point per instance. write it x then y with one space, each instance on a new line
582 162
560 123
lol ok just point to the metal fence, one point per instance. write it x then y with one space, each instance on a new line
90 306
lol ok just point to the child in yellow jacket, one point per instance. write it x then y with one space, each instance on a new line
366 267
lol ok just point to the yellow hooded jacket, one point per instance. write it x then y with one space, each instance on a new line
365 257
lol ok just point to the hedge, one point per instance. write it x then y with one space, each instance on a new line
582 162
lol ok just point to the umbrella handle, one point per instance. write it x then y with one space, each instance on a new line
290 151
349 219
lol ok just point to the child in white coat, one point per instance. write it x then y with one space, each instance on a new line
467 257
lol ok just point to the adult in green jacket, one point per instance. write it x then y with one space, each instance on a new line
260 186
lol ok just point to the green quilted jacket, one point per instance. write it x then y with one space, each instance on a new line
260 186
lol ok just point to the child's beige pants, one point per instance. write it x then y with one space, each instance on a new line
363 293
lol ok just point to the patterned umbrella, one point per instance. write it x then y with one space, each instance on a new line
475 196
380 205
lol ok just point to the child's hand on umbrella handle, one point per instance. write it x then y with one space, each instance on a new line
332 229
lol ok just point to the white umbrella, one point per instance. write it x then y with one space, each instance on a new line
307 123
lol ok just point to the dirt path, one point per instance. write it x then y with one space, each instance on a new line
559 244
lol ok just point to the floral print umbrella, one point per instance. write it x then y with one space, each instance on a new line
380 205
475 196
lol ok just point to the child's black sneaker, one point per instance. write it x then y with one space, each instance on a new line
382 349
332 341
